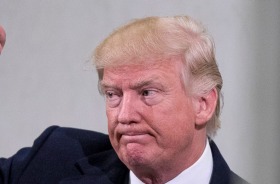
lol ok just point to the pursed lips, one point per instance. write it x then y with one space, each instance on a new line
133 136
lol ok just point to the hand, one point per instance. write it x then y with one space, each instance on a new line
2 38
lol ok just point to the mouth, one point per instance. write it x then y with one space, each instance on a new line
133 137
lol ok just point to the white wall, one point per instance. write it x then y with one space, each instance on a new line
46 77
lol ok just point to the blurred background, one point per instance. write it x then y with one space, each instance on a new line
46 76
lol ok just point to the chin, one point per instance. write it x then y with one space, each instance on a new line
133 157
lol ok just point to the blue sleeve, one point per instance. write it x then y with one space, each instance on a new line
12 168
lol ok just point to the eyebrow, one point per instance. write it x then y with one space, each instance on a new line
142 83
106 84
139 84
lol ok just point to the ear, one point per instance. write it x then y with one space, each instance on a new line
205 107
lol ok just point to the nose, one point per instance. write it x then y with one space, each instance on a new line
129 110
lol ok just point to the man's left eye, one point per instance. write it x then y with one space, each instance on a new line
151 96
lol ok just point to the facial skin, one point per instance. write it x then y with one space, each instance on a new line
152 120
2 38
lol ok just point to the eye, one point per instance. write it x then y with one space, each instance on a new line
151 96
109 94
112 98
148 92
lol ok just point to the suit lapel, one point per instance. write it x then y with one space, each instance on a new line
221 171
104 167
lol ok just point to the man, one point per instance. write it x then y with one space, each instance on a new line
162 88
2 38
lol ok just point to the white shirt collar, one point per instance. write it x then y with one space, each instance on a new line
198 173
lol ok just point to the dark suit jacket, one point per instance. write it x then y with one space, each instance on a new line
68 155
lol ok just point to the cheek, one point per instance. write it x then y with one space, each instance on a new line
174 121
176 110
111 114
112 136
176 134
111 120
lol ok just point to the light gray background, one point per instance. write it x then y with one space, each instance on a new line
46 77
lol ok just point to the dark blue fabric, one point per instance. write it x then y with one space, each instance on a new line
74 156
221 173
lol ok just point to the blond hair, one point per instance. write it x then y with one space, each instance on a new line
161 38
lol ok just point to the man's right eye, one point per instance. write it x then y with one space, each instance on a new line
112 98
109 94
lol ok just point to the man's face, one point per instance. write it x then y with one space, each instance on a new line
151 120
